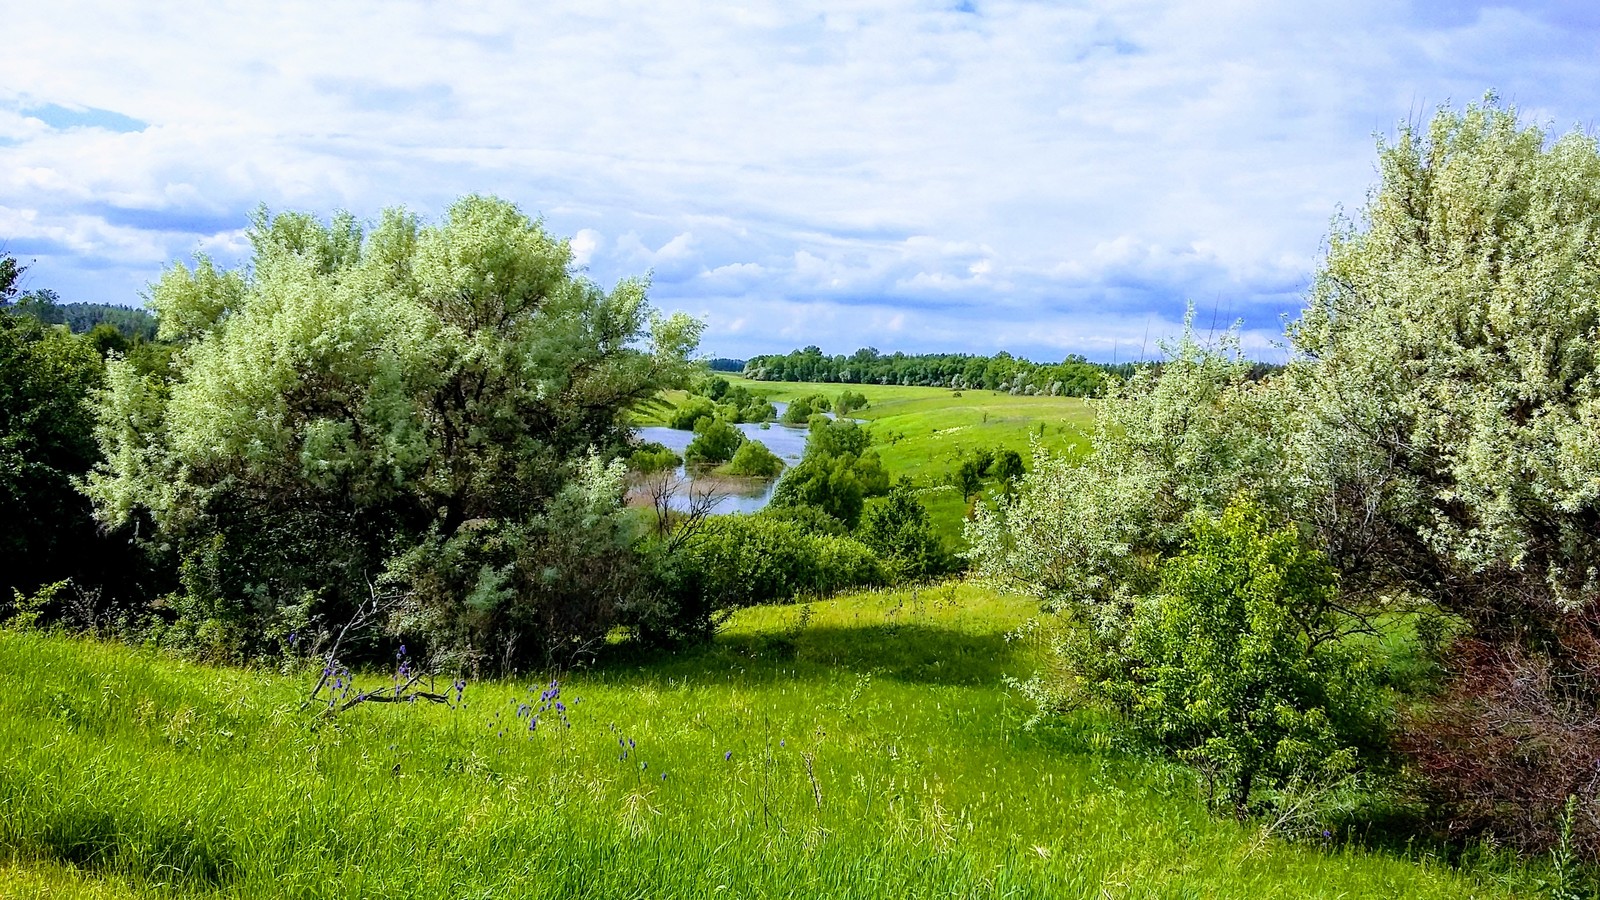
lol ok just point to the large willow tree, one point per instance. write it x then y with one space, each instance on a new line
422 411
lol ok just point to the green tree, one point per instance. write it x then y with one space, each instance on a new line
1237 663
967 479
46 441
898 529
798 412
827 483
848 402
1182 437
418 412
689 416
651 457
754 460
836 474
1448 407
1450 375
715 442
10 278
1008 468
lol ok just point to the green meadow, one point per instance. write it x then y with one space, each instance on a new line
926 431
864 746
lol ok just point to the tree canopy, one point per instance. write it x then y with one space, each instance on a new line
420 409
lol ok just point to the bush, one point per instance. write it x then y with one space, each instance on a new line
798 412
898 529
1514 739
715 442
1236 662
737 561
754 460
651 457
1008 468
419 412
688 416
848 402
836 474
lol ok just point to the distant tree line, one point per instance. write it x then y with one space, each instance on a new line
45 305
1074 376
723 364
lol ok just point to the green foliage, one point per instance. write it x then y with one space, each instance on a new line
848 402
10 276
651 457
897 528
687 417
826 483
1236 664
46 441
715 442
1073 377
967 478
800 410
754 460
1183 437
1008 467
1450 375
741 560
45 306
412 412
836 474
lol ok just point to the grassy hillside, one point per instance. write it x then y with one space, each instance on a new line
862 747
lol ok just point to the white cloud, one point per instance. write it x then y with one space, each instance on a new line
584 244
1061 177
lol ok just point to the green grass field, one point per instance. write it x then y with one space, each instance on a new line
860 747
924 431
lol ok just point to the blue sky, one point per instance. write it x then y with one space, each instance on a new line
1044 178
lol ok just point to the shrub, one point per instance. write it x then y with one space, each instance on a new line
426 402
848 402
688 416
1236 662
798 412
715 442
754 460
1514 738
738 561
898 529
651 457
836 474
1008 468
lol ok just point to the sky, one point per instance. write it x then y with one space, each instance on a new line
1044 178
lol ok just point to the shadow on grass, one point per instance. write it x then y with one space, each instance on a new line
913 653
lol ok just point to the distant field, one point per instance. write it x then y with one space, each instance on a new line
863 747
925 431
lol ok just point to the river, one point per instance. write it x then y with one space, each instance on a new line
742 495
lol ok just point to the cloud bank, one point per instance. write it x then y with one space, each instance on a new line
1039 177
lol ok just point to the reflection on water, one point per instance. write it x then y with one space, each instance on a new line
743 495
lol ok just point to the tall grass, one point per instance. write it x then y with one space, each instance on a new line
861 747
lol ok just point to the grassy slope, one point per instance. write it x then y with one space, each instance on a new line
122 771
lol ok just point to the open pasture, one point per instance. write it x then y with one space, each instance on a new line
926 431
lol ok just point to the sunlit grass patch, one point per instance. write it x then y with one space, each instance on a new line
857 747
